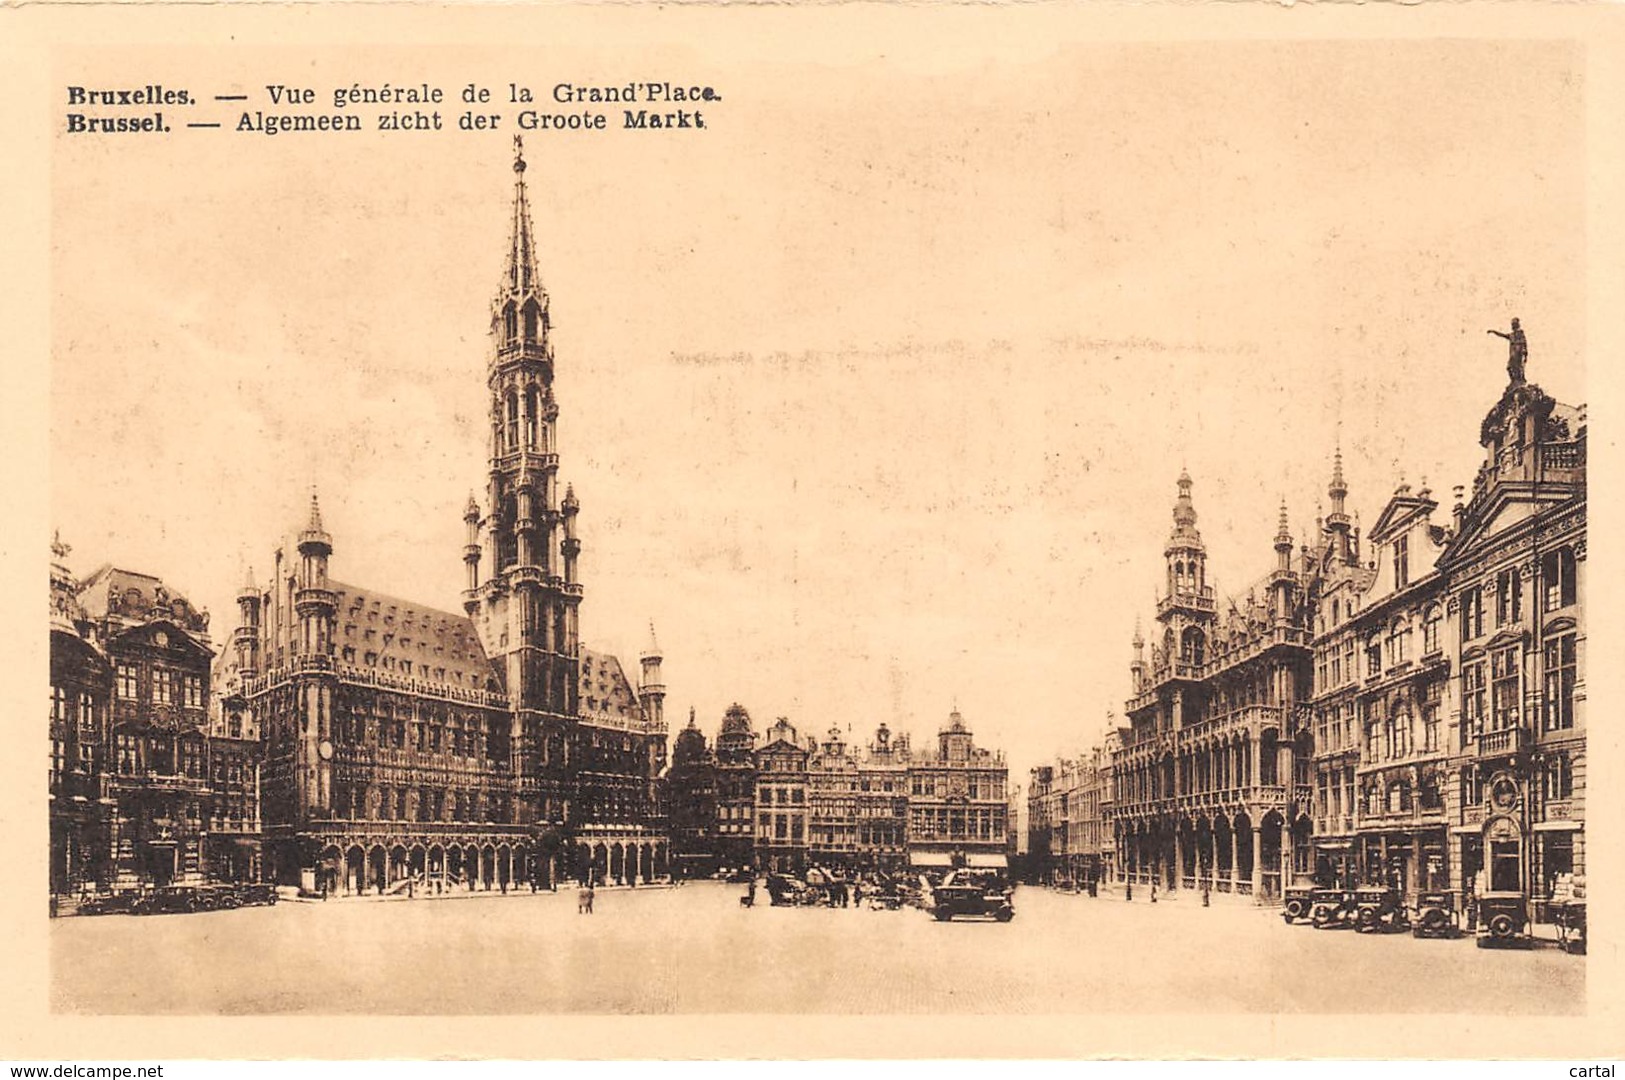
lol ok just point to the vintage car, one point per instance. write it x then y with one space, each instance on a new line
1379 909
217 897
785 891
1567 911
1332 908
1502 921
168 898
966 893
1297 903
257 893
1436 915
1570 918
110 903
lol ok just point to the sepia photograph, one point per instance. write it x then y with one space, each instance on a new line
928 513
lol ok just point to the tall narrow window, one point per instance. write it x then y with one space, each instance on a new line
1559 670
1504 687
1473 687
1430 630
1402 562
1557 578
1430 716
1472 614
126 682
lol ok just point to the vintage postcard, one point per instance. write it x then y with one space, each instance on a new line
892 531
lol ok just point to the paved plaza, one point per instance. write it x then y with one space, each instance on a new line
694 949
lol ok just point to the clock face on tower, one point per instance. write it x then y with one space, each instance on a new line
325 750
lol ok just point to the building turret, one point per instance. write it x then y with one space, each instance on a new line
1337 522
1137 669
471 554
246 638
652 691
1188 609
314 602
1283 580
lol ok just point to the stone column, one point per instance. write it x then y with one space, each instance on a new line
1235 865
1258 864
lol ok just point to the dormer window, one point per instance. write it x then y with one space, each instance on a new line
1402 562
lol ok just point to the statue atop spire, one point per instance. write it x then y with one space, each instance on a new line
1517 352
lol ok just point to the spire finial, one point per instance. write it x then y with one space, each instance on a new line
520 276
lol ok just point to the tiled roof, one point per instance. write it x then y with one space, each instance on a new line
605 689
440 646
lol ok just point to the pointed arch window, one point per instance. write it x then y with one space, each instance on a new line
532 319
510 323
530 417
513 421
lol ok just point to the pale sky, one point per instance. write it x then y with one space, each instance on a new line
873 393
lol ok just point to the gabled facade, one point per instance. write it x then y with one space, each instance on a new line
1381 705
1515 572
143 792
958 802
782 809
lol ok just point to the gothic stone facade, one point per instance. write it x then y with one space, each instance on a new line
407 746
1207 777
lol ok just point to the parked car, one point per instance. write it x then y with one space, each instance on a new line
1436 915
1297 903
169 898
1503 921
258 893
1333 908
121 902
965 893
1567 910
217 897
1570 917
1379 909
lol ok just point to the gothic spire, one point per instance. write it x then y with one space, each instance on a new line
313 531
520 275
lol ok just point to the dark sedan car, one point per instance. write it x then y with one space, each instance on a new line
963 893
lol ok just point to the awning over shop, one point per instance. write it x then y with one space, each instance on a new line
930 858
981 861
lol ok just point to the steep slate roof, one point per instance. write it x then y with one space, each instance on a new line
430 639
605 689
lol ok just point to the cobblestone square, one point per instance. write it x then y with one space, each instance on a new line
694 949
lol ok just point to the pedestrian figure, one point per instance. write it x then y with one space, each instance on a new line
1128 890
857 894
590 894
1153 892
1205 900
